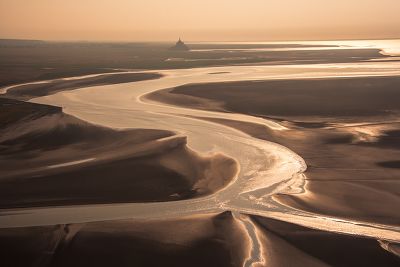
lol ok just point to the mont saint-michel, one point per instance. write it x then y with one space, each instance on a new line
267 136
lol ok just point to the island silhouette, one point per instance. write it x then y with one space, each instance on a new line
180 46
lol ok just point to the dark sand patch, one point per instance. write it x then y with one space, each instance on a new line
370 201
201 240
167 96
122 181
390 139
327 98
343 180
331 248
26 92
390 164
218 72
204 240
68 161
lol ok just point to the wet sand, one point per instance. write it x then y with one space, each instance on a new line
202 240
335 98
68 161
198 241
330 248
26 92
25 61
350 166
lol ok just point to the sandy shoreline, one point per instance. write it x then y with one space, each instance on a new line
125 166
24 62
153 240
336 98
29 91
202 240
345 172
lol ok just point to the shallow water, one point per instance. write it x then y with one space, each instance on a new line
389 47
265 168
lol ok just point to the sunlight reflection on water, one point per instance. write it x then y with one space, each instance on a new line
388 47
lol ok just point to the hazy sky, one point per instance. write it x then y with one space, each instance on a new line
199 20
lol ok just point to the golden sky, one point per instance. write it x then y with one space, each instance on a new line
199 20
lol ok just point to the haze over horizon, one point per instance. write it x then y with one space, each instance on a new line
224 20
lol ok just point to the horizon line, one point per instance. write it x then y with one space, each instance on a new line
194 41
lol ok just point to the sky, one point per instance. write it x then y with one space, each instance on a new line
199 20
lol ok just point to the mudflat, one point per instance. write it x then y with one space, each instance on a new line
68 161
346 129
